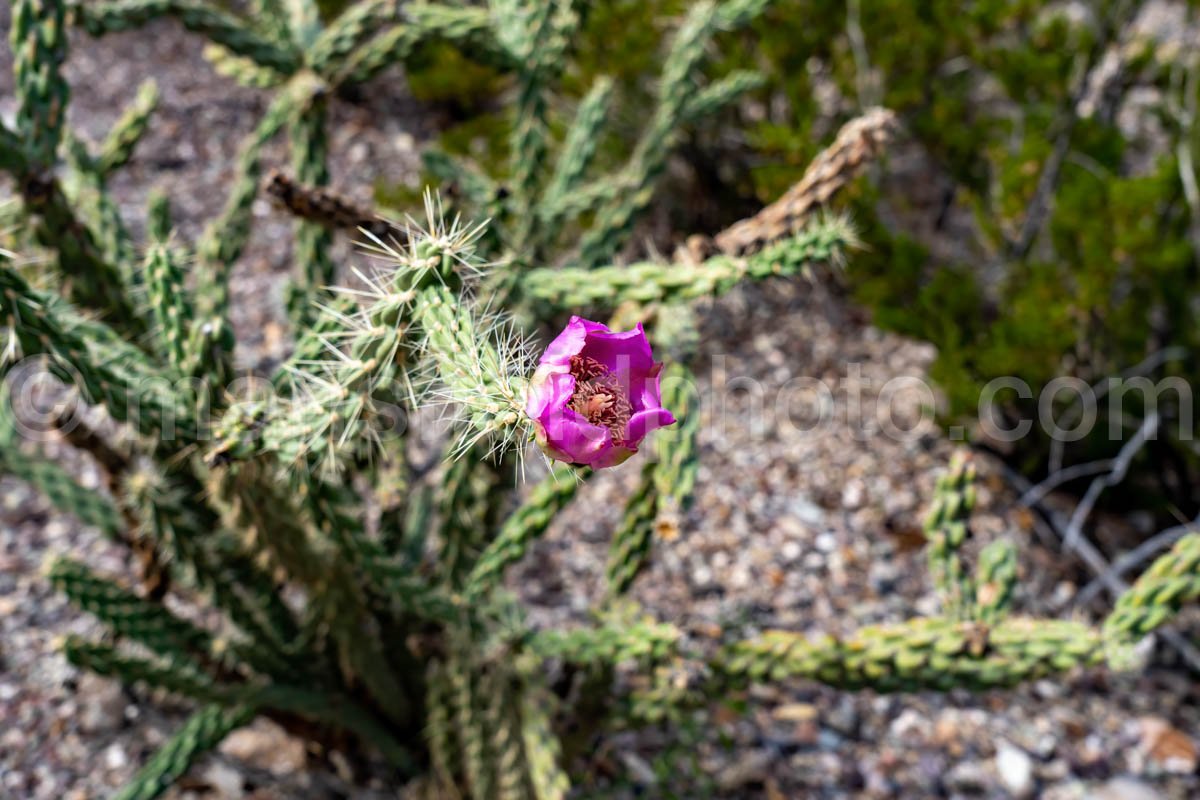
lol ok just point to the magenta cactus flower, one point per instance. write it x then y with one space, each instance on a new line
595 395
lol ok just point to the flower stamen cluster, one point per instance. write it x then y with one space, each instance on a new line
599 398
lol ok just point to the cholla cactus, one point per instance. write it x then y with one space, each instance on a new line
357 592
283 45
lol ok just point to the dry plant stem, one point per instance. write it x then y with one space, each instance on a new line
326 207
1052 481
1100 567
866 80
1100 390
1184 111
81 436
1037 212
154 578
858 142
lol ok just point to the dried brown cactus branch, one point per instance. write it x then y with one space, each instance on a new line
325 206
858 142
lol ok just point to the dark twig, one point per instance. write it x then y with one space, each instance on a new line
1074 532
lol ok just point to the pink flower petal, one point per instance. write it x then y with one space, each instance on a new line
570 342
644 422
612 457
548 389
626 353
572 435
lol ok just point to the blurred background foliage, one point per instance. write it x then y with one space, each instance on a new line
1035 222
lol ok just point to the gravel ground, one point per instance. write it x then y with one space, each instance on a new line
792 529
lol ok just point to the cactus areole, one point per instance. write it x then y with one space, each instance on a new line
595 395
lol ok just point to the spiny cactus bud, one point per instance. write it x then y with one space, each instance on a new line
596 395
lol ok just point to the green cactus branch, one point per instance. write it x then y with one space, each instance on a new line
542 748
526 524
473 369
946 530
439 726
635 183
304 22
170 304
113 16
719 94
39 45
538 34
824 241
352 28
306 133
244 71
995 581
62 490
271 16
202 732
180 678
502 715
91 358
117 148
462 510
129 615
939 654
617 641
629 549
85 189
1158 595
469 28
578 150
677 460
467 703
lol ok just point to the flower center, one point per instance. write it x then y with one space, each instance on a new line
599 397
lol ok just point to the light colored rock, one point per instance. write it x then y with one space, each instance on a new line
751 767
853 495
795 712
267 746
911 728
641 772
807 511
1015 768
223 780
1123 788
114 756
968 777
